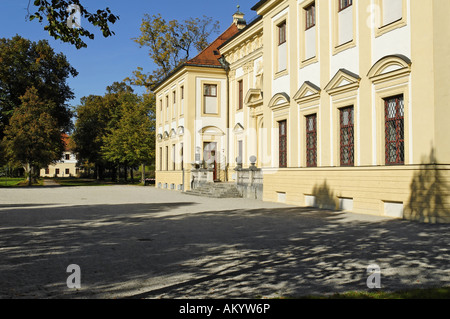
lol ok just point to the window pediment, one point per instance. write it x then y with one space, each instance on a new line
280 100
253 98
307 92
211 131
238 129
390 67
343 81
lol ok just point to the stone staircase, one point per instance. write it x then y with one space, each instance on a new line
216 190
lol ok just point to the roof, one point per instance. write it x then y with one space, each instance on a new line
209 57
66 140
211 54
248 26
258 5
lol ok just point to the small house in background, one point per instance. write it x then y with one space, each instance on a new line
66 167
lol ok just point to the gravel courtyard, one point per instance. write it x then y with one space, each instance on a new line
141 242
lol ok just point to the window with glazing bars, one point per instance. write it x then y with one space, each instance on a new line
310 16
343 4
311 140
283 144
395 130
347 142
210 90
282 33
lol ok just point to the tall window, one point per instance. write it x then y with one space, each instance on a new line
392 11
173 157
182 101
282 33
241 95
343 4
167 108
174 104
160 158
210 98
311 141
347 136
161 111
167 158
182 155
309 38
395 130
282 48
282 143
310 16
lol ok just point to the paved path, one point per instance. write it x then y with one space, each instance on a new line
141 242
50 182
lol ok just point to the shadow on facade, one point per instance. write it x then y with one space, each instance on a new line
324 197
430 192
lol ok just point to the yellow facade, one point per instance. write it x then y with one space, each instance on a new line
66 167
310 64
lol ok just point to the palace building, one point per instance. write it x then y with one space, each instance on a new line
335 104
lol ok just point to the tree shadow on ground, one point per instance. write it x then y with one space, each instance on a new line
160 251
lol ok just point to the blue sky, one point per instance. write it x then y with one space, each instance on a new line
107 60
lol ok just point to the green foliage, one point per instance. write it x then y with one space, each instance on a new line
117 128
10 181
132 140
33 138
171 43
57 14
25 64
92 121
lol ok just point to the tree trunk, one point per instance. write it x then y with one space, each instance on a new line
29 175
143 173
132 176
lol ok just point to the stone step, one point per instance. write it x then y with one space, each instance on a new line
217 190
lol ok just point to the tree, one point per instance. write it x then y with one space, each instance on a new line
25 64
92 118
62 22
132 141
33 138
170 44
95 117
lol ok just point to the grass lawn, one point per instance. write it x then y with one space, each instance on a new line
11 181
89 182
428 293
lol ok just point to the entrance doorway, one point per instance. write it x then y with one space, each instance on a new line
210 156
